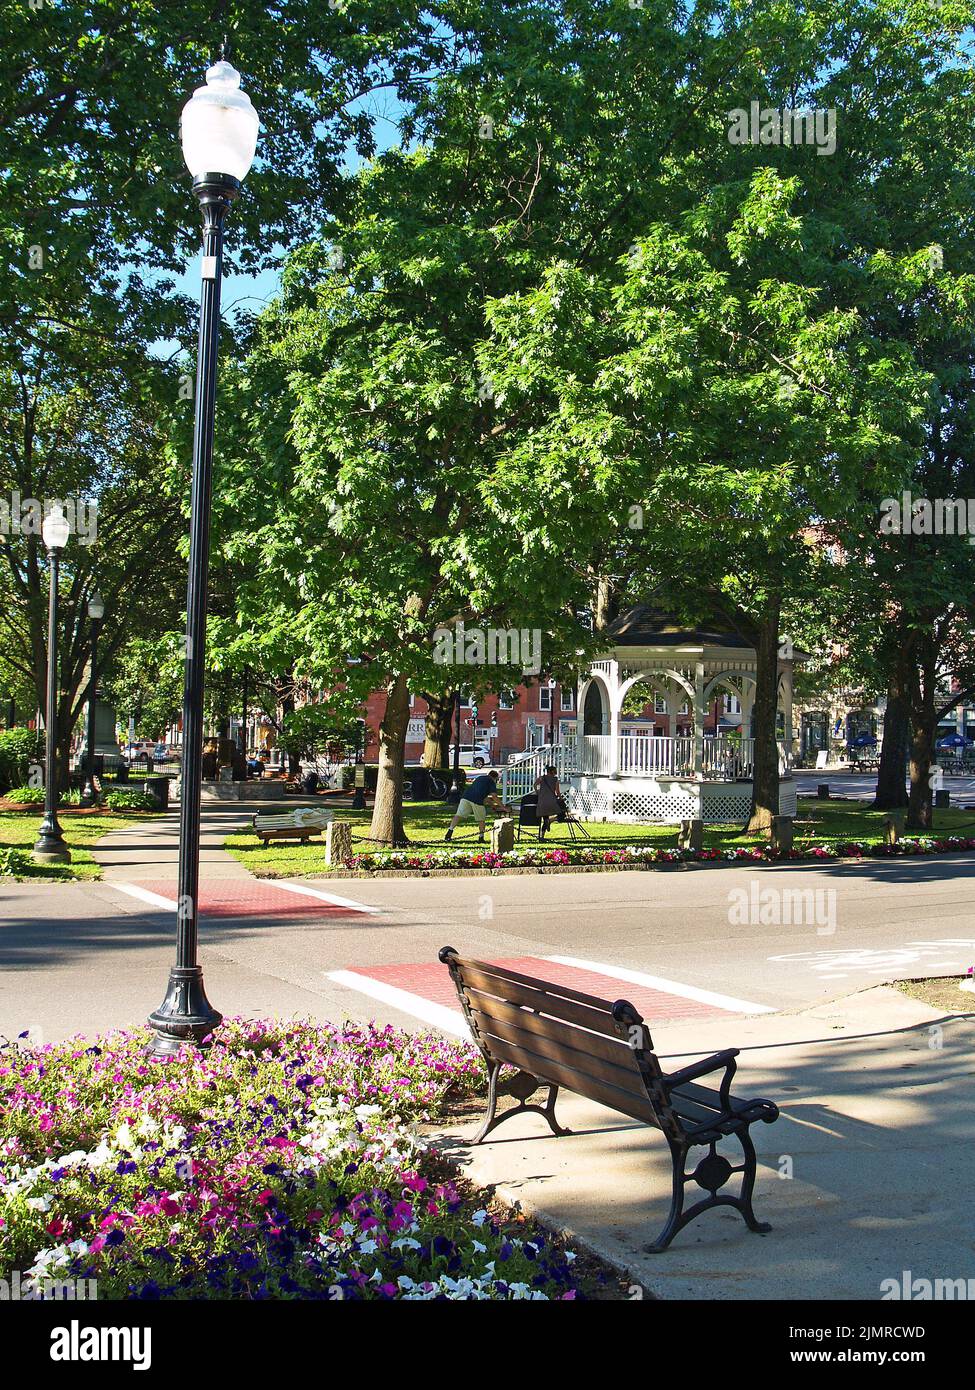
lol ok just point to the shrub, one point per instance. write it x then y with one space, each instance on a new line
129 799
26 796
18 749
34 796
16 863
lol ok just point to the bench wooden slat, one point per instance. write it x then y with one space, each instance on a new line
471 967
617 1072
561 1074
477 985
541 1025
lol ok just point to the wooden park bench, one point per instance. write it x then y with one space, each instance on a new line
556 1037
299 824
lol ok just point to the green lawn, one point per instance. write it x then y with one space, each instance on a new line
18 829
818 822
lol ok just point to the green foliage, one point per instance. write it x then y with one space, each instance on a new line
34 796
318 732
16 863
19 748
129 798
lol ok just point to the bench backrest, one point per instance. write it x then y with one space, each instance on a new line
600 1050
301 816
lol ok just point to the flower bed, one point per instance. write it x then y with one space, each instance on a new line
643 856
284 1162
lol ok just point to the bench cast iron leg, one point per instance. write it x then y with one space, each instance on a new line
748 1185
711 1173
676 1220
522 1085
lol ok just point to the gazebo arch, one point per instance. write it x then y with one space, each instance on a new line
678 776
585 716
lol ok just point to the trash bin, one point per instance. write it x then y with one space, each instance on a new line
942 799
158 789
419 783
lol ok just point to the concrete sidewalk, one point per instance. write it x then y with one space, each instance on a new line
150 850
868 1172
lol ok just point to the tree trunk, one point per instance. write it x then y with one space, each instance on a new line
387 815
287 707
765 775
924 724
891 790
436 740
603 604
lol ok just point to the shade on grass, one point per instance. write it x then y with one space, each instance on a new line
18 830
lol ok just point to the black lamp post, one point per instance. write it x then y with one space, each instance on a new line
359 791
50 847
96 611
219 130
551 714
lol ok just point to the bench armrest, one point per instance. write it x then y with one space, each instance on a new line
704 1067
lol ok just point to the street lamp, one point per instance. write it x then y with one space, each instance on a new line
551 714
219 129
96 611
50 847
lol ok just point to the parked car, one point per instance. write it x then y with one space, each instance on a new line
160 753
471 755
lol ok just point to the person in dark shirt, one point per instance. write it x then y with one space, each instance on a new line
481 795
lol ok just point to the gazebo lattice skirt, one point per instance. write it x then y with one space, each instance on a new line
666 801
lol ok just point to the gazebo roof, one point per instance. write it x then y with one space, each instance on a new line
643 626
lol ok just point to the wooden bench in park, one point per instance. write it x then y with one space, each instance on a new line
556 1037
299 824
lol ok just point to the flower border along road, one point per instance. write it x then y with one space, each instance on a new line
636 857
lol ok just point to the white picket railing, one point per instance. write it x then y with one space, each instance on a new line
641 756
636 755
728 758
518 779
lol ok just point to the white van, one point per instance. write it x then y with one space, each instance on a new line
471 755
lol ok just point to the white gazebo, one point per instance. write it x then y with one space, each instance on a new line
612 771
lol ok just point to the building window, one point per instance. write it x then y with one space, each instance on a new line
568 699
506 702
660 704
544 697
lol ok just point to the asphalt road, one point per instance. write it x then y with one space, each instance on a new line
83 957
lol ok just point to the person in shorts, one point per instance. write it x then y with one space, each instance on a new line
481 795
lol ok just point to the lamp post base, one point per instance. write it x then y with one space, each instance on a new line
50 847
185 1017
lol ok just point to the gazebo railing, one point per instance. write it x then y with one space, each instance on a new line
641 756
723 758
728 758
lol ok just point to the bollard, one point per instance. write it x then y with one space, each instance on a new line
893 827
782 832
691 834
338 842
502 835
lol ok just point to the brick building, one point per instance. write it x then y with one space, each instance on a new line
511 725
